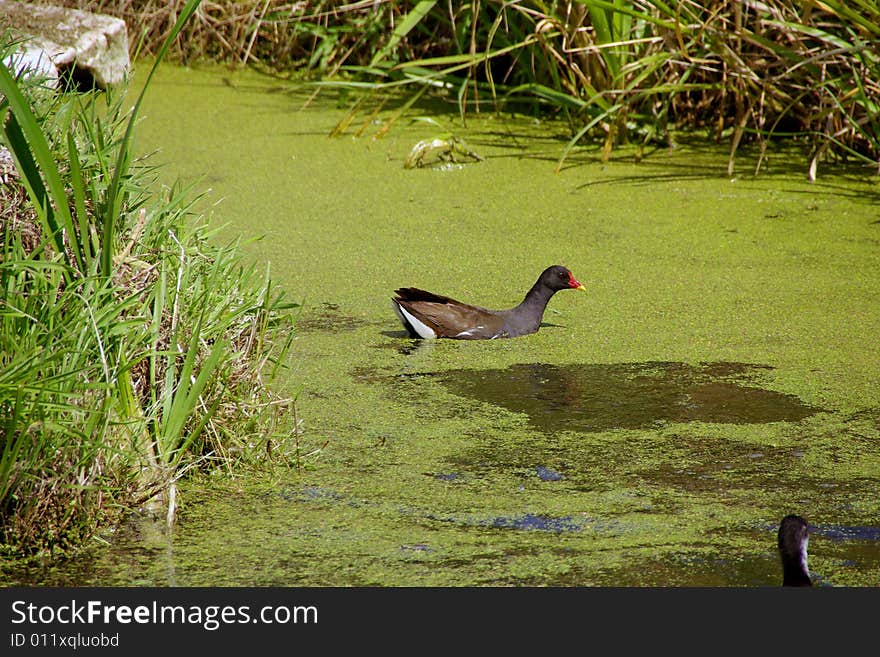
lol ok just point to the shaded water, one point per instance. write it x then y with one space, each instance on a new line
597 397
723 370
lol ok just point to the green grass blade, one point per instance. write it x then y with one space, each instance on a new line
84 254
655 20
33 155
869 23
21 153
413 18
114 197
14 428
574 140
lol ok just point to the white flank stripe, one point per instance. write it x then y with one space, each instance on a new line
469 331
408 320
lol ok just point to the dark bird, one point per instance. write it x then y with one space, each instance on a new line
792 540
428 315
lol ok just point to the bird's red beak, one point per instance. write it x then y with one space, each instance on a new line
574 284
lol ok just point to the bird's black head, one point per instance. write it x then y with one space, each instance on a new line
558 277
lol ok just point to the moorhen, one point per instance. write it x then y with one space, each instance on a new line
792 540
428 315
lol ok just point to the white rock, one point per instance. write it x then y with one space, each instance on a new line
28 60
93 43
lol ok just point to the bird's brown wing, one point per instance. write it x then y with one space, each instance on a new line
449 318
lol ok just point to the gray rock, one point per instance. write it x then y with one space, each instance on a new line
94 45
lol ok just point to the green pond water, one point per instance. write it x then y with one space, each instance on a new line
721 372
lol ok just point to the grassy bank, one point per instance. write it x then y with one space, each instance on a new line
620 71
133 348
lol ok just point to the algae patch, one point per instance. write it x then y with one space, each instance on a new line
328 318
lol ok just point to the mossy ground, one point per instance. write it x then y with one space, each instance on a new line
419 483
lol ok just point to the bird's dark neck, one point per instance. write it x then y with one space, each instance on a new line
793 574
526 317
536 298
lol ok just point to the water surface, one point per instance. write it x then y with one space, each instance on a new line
722 371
